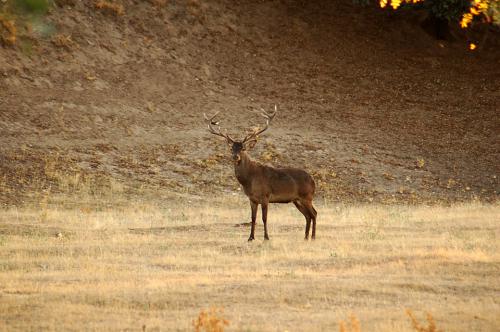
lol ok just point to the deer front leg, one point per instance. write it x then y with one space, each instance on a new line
254 206
264 219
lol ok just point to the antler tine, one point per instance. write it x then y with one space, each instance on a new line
213 116
269 117
217 131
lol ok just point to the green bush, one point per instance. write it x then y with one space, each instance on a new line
34 6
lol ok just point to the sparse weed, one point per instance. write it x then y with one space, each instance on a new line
431 327
372 231
110 7
64 3
44 201
351 326
326 180
210 321
8 31
211 161
388 176
270 153
420 162
159 3
64 41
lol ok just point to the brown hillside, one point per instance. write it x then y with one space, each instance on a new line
368 102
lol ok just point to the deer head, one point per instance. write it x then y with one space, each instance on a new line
237 146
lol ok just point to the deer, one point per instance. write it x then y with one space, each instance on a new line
265 184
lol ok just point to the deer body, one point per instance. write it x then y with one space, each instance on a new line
266 184
263 183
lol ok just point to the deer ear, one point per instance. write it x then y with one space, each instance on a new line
250 144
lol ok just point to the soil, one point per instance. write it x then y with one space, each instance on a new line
369 103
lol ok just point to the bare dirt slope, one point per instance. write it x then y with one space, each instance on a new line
368 102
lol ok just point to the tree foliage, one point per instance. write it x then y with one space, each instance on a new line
442 12
464 11
450 10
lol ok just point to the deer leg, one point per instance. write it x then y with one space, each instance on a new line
313 213
264 219
254 206
305 212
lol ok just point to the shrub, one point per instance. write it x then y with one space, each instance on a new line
210 321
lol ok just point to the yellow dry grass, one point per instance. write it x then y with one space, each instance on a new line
110 7
147 266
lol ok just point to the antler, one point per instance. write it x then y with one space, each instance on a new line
269 117
217 131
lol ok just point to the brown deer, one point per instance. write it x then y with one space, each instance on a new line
266 184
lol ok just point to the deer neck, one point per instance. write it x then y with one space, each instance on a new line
244 169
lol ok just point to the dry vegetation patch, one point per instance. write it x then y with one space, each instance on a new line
8 31
149 266
110 7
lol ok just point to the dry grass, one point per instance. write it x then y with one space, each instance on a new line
210 321
154 267
110 7
431 325
64 41
8 31
352 326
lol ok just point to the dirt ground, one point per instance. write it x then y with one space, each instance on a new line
374 107
146 267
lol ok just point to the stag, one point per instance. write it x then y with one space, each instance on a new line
266 184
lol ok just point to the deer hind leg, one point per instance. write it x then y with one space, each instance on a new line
312 212
254 206
264 219
313 215
306 214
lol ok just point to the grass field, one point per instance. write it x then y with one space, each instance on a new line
150 267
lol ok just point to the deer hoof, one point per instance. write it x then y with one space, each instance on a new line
251 238
266 237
